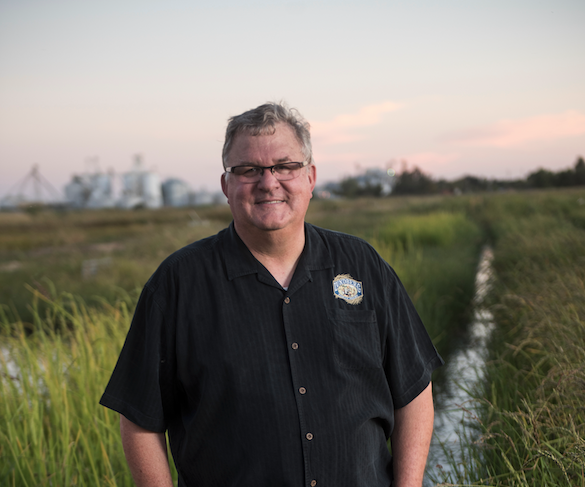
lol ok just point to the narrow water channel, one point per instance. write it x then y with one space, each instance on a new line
465 369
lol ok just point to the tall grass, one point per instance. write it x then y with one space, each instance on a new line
52 433
52 374
435 256
536 429
532 414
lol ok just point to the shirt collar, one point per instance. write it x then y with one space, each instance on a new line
239 260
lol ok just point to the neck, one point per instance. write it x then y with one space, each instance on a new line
277 250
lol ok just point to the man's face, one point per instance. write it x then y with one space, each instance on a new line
268 204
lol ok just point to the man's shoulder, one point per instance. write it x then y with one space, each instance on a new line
195 251
189 259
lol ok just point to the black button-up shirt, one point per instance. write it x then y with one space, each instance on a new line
258 385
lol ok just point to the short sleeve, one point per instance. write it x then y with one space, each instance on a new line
411 356
141 386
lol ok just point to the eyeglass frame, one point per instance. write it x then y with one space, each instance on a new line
230 169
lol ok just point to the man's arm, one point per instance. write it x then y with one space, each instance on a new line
411 438
146 454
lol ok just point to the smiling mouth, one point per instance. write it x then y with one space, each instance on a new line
271 202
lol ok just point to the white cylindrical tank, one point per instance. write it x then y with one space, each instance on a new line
75 192
101 191
175 192
151 188
101 184
132 183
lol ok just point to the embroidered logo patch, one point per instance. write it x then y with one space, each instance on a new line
348 289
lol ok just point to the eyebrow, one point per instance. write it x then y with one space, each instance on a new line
282 160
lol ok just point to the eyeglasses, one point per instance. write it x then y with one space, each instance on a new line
282 172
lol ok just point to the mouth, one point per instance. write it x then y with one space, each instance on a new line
269 202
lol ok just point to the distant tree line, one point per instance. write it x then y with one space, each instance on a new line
352 188
569 177
415 181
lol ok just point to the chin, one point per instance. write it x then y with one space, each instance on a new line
270 226
270 222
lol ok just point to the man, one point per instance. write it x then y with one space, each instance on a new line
275 353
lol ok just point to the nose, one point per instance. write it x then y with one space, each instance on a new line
268 180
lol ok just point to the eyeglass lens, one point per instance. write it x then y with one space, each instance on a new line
282 172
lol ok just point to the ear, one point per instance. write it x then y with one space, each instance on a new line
312 176
224 185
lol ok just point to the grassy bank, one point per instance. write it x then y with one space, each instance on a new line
532 414
535 430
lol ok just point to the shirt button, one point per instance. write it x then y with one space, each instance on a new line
295 345
302 390
309 436
287 300
313 483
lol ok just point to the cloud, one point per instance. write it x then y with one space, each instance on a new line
341 129
509 133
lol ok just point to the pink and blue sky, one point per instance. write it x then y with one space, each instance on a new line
490 88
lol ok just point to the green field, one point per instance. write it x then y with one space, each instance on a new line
69 281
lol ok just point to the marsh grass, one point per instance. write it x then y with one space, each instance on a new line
437 229
52 375
531 420
536 430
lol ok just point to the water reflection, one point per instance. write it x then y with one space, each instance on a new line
464 371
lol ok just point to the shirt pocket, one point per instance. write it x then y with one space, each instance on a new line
356 338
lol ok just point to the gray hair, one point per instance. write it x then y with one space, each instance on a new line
262 121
